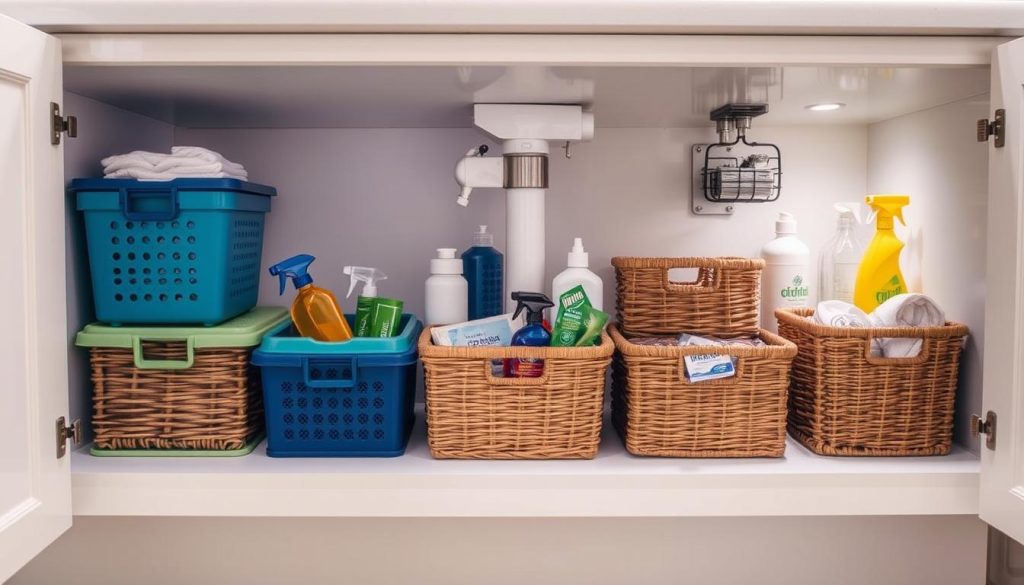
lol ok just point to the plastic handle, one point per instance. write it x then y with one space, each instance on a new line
131 197
143 364
350 363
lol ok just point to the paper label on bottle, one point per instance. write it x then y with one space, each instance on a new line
844 280
794 292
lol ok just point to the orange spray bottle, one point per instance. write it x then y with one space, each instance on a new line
315 310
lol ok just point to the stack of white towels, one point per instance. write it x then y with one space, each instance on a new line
906 310
182 162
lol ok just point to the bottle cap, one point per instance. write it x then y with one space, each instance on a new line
482 238
578 258
446 262
534 303
366 275
294 268
785 224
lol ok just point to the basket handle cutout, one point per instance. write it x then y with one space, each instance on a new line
738 362
145 364
330 373
149 203
899 344
503 381
690 279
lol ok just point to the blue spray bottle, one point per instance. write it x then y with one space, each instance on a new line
532 334
483 266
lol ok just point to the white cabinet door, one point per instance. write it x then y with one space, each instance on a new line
1002 468
35 486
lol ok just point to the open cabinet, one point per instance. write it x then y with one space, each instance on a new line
360 134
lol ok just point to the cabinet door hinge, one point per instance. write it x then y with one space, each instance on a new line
61 124
985 427
67 433
997 128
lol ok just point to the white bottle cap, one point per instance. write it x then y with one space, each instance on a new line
446 262
482 238
785 224
578 258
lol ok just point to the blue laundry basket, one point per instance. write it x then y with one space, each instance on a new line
347 399
185 251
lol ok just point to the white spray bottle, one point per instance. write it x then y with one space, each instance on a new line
365 304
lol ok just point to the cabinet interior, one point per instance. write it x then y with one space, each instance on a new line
363 161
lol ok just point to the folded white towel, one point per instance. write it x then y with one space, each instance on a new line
840 314
183 161
144 175
906 310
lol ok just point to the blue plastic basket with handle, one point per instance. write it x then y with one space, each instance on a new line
185 251
348 399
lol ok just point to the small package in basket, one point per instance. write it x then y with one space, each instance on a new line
185 251
339 399
165 391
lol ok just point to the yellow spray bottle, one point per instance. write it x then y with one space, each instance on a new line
879 277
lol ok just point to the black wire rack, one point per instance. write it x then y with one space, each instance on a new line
740 171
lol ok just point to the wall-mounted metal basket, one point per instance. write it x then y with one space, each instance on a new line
736 170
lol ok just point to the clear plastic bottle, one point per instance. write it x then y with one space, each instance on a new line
839 259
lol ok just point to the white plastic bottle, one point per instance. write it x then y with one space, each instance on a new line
840 259
786 280
447 291
578 273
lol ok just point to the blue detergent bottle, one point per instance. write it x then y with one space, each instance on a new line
532 334
483 266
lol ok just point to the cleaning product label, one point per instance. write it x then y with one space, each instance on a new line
706 366
796 293
571 322
387 315
527 368
894 286
492 331
844 279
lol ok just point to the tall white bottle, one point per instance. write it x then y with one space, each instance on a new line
786 280
447 291
578 273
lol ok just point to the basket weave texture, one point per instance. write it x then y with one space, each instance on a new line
723 300
843 401
659 412
216 404
473 415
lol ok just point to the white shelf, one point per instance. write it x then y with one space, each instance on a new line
615 484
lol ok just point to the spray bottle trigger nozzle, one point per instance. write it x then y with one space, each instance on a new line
366 275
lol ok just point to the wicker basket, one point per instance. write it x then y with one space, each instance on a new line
473 415
216 404
843 401
659 412
724 299
167 390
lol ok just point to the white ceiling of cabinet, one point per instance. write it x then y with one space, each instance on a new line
441 97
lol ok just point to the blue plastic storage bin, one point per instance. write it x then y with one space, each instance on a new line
348 399
185 251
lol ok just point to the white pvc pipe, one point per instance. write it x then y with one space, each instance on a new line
524 232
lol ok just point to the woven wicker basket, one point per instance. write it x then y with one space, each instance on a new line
659 412
473 415
723 300
843 401
216 404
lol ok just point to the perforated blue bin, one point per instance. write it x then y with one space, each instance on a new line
185 251
349 399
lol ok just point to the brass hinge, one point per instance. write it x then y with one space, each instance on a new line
67 433
996 127
61 125
985 427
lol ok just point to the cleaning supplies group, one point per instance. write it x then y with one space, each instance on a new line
317 314
847 271
577 324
